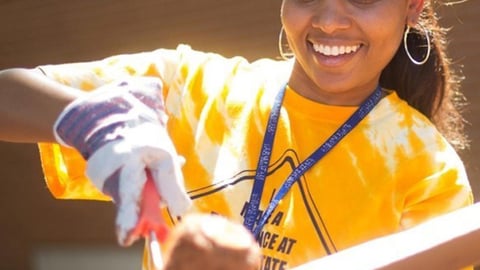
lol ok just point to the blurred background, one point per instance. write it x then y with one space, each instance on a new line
38 232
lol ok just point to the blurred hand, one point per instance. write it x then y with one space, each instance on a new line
210 242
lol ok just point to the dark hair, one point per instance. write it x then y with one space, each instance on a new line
431 88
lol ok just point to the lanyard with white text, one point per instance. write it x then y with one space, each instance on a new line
263 162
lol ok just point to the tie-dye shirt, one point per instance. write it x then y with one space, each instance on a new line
392 171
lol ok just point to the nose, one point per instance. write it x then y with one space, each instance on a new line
331 16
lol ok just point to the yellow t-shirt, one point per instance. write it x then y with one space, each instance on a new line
391 172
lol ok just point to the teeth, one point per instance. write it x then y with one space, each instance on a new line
334 50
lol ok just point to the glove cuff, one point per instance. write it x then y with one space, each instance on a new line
97 118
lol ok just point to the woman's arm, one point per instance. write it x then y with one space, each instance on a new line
29 105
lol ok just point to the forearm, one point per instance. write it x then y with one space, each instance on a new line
29 105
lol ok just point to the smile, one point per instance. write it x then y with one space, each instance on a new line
334 50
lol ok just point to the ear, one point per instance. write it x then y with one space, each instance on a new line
415 7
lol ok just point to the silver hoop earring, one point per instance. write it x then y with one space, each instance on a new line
283 47
429 46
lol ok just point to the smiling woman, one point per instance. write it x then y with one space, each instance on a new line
317 31
343 51
346 142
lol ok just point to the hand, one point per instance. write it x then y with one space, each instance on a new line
202 241
120 130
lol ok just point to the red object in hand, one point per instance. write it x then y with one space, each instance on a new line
150 220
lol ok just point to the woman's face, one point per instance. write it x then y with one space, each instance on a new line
341 46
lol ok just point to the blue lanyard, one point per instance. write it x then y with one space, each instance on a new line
266 152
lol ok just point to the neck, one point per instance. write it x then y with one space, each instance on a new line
337 95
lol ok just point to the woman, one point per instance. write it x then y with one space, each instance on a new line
348 141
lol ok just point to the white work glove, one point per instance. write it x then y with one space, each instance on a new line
120 130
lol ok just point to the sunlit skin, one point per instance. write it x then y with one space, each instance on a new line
341 46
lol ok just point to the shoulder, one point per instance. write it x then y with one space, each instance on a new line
403 124
392 106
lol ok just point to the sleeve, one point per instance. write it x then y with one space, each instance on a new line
63 167
443 188
191 79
